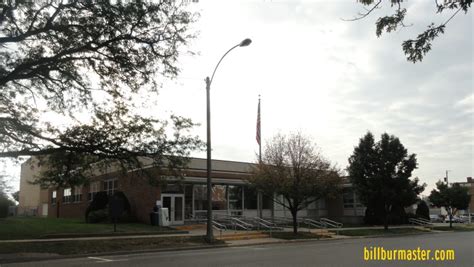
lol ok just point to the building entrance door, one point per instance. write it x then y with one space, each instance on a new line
175 205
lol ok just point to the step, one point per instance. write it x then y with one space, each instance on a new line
242 236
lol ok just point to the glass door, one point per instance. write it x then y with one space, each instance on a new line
175 205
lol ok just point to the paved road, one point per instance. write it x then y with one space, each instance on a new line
349 252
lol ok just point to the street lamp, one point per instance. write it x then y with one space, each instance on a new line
209 234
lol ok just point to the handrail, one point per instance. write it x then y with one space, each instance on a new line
263 221
423 220
419 221
332 223
241 223
314 223
219 226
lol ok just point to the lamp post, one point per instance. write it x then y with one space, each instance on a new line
209 234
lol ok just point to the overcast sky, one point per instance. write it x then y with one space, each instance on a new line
330 79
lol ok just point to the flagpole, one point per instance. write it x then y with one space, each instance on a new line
260 132
259 141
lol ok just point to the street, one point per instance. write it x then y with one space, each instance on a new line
349 252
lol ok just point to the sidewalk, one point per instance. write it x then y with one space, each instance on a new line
193 232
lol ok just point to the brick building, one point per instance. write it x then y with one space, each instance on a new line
185 198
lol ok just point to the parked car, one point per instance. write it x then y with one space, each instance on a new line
455 219
436 218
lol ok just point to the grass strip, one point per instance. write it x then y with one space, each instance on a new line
35 227
369 232
101 246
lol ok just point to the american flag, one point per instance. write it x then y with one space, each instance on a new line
258 123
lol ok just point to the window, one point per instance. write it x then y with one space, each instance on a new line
350 199
250 198
67 195
94 187
77 197
235 197
53 197
110 186
219 197
266 202
200 197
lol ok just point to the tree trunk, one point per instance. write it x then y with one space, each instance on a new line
295 221
385 218
451 219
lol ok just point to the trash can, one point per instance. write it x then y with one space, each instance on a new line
154 218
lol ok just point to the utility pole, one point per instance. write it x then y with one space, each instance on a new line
446 178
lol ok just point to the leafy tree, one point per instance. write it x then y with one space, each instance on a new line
380 173
16 196
292 168
453 198
415 49
5 201
423 211
84 65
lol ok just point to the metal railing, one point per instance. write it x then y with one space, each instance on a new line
420 221
240 223
314 223
268 225
331 223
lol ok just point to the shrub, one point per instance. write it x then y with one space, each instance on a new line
5 202
98 216
423 211
98 209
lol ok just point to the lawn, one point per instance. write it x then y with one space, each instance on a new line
35 227
368 232
99 246
457 228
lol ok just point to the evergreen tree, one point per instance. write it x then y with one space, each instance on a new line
380 173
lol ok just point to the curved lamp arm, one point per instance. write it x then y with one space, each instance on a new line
245 42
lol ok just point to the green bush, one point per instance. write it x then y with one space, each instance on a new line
4 204
98 216
423 211
98 209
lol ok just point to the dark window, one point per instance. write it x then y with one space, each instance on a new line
267 202
188 201
94 187
53 197
235 197
200 197
250 198
348 198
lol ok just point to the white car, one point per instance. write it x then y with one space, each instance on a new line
455 219
436 218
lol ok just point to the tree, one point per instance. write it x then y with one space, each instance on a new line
423 211
292 168
85 64
380 173
5 201
16 196
414 49
453 198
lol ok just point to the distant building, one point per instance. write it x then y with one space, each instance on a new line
186 199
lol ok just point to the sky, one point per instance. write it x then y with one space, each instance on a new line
330 79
